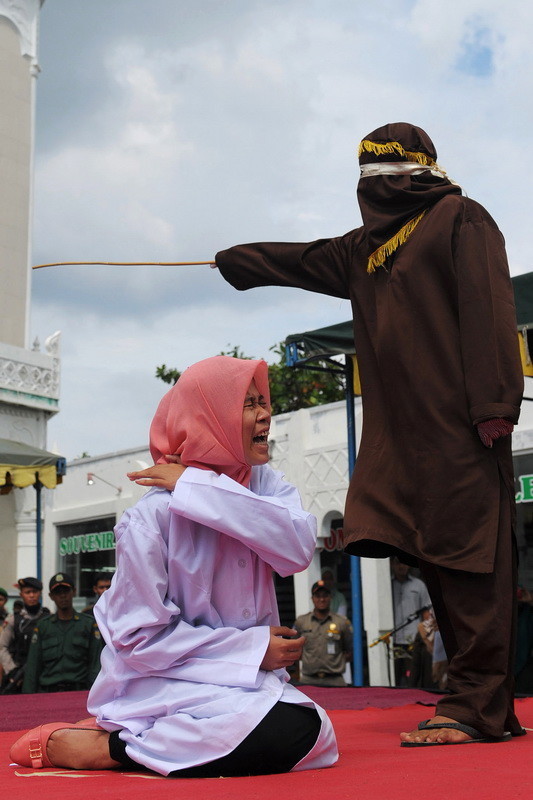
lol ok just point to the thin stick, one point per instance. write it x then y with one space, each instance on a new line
127 263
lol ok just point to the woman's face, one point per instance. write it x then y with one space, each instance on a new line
255 427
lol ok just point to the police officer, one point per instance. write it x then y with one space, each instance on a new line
102 583
3 615
328 641
65 648
3 601
16 634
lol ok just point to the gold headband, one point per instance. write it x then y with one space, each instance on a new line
394 147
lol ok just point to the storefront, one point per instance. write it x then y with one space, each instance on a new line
86 549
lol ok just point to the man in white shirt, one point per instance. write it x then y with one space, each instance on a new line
410 597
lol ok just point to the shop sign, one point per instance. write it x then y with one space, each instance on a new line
86 543
525 495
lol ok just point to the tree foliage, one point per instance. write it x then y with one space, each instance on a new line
291 388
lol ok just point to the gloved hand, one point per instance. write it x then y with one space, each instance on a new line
491 429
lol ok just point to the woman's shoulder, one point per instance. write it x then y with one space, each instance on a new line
151 513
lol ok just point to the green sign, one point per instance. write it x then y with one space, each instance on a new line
525 495
86 543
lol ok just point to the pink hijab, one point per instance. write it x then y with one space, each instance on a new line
200 418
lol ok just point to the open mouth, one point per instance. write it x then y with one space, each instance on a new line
262 438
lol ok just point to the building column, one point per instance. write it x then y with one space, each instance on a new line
25 526
378 618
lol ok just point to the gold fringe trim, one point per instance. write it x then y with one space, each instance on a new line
378 257
394 147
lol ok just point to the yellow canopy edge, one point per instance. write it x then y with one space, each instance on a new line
25 476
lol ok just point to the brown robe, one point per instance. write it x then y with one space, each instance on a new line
436 341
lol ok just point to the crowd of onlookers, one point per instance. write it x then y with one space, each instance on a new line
44 651
419 655
49 651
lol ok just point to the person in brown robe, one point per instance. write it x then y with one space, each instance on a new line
436 341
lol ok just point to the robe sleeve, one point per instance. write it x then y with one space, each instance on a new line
146 629
487 318
270 522
321 266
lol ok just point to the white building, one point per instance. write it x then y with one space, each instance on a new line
29 379
309 446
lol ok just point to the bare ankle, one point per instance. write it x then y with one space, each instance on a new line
78 748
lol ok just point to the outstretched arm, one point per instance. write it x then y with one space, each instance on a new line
321 266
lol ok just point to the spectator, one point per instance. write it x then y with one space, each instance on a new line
3 615
409 596
421 671
338 601
102 583
3 601
523 669
439 670
328 641
65 648
16 634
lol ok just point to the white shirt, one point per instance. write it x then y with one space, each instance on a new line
409 596
186 620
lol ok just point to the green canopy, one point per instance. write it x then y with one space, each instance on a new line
523 295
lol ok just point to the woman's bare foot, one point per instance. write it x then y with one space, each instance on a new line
441 735
78 748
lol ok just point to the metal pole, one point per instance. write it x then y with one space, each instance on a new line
357 606
38 486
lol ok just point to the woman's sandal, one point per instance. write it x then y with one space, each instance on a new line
30 749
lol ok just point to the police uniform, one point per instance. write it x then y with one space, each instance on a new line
15 638
3 612
64 655
326 643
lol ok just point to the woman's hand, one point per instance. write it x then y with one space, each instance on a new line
282 652
165 476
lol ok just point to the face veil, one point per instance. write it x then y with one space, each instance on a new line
400 180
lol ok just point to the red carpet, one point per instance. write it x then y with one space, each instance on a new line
18 712
371 764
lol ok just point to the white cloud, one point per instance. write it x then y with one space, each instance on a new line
212 123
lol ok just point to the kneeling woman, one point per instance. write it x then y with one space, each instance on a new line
193 680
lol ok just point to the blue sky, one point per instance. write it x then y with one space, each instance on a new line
167 130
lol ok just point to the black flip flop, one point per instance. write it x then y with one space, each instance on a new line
476 736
